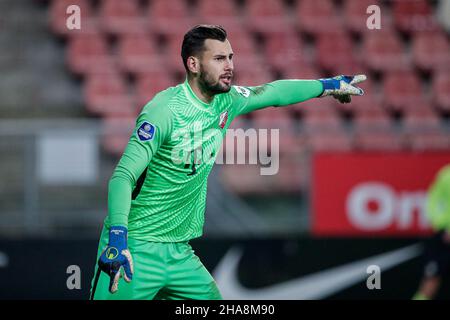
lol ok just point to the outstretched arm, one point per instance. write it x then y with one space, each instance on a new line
286 92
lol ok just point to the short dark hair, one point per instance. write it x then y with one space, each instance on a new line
194 40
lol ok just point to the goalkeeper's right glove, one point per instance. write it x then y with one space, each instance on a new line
115 257
342 87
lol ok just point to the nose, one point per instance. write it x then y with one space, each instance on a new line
229 65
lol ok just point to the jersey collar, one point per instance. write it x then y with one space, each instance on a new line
195 100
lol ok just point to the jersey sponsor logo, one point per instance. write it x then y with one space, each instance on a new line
243 91
146 131
223 119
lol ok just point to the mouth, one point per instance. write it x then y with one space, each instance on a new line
226 79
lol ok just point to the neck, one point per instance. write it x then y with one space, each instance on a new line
199 91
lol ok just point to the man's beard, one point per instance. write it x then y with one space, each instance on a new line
210 86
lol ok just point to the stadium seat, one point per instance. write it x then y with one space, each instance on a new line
266 16
283 51
316 16
107 95
335 53
149 84
89 53
137 53
413 15
273 118
378 140
58 17
116 133
429 140
330 141
302 71
374 119
172 54
383 51
223 13
402 90
169 17
119 17
318 120
431 50
251 77
424 119
441 90
355 15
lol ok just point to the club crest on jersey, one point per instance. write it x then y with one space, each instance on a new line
223 119
243 91
146 131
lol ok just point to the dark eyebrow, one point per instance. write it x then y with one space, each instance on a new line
222 55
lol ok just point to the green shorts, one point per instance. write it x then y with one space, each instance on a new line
166 271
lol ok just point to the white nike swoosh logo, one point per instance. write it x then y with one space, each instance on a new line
3 260
315 286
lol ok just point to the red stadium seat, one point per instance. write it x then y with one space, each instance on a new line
149 84
335 53
107 94
318 120
119 17
402 90
330 141
283 51
429 140
421 120
316 16
413 15
383 51
374 119
302 71
266 16
116 132
137 53
89 53
58 17
441 90
246 58
169 17
223 13
431 50
172 54
378 140
251 77
355 15
273 118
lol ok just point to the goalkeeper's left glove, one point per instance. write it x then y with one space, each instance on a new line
342 87
115 257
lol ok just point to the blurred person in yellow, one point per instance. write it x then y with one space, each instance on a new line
437 249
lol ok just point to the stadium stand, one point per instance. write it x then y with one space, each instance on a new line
130 50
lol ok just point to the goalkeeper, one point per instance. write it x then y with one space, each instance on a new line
437 247
157 193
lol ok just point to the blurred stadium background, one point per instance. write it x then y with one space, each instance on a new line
69 99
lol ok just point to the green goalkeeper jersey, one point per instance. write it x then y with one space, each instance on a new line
438 202
158 189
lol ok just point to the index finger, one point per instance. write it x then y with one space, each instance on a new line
358 78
